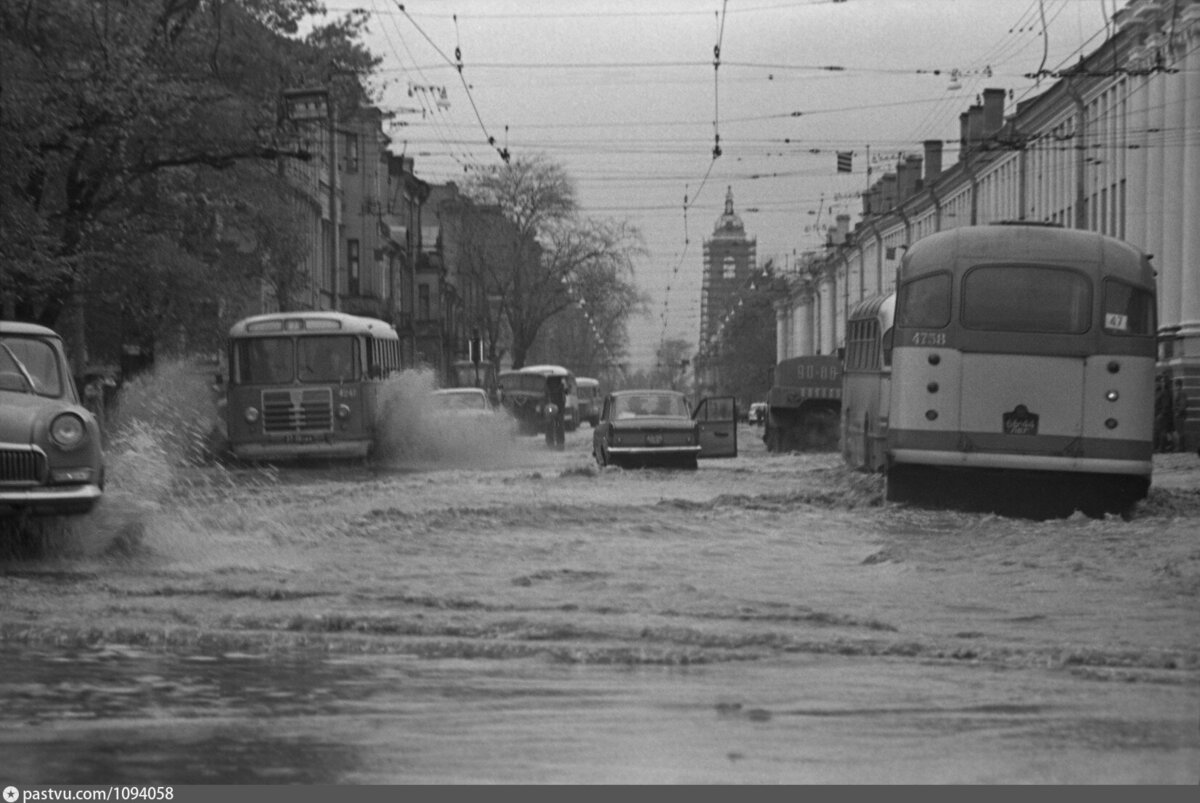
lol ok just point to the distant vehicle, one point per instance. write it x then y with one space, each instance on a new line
757 413
657 427
1020 362
588 391
307 384
462 403
803 409
523 394
51 454
466 374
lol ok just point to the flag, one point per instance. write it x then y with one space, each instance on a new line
844 161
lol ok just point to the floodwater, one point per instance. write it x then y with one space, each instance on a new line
477 608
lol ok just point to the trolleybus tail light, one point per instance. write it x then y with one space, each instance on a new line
931 415
251 415
343 411
1111 423
1114 367
1112 395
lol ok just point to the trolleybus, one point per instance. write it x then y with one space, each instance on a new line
307 384
1019 366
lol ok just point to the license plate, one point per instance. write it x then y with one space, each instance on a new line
654 440
1020 422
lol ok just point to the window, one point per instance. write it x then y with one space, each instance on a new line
924 303
351 153
266 360
1026 298
37 358
352 266
327 358
423 302
1128 310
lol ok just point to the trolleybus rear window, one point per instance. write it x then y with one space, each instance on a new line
1128 310
1026 298
925 303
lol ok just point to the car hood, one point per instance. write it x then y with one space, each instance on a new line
653 422
19 412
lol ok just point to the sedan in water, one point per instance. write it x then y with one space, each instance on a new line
643 427
464 402
51 457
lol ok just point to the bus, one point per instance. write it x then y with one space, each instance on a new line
523 393
1014 363
307 384
587 389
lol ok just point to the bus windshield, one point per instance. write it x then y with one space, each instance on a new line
265 360
1026 298
327 358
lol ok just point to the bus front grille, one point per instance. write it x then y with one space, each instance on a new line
297 410
22 465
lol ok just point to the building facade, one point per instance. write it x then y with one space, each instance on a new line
1112 145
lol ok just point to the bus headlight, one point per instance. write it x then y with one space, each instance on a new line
67 431
343 411
1112 395
251 415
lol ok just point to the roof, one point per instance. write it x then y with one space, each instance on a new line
347 323
545 370
22 328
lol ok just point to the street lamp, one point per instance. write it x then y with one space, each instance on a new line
315 105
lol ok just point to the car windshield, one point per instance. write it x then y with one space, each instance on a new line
640 405
29 358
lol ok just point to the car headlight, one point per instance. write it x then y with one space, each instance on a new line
251 415
68 431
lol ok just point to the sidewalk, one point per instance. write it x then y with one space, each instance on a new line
1176 470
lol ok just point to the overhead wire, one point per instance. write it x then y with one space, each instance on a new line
458 65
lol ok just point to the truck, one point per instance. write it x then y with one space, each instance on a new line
804 405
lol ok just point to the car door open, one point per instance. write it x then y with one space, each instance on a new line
717 417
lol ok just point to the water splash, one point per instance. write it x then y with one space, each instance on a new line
414 432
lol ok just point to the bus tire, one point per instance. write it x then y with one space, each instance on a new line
898 484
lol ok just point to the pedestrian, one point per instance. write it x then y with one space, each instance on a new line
1179 408
556 403
1164 421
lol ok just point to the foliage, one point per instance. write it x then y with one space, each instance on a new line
553 257
747 352
128 135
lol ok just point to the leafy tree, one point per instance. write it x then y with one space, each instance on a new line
116 117
554 255
748 347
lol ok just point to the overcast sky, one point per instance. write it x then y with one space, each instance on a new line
626 97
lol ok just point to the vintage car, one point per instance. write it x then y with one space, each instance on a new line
462 402
51 455
657 427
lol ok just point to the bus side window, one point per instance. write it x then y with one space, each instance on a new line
887 347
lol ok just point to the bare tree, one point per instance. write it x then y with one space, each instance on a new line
555 256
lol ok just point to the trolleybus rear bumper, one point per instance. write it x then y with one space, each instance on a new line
1027 462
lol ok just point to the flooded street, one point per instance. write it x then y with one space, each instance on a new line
523 617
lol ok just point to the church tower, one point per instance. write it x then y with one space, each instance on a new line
729 261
